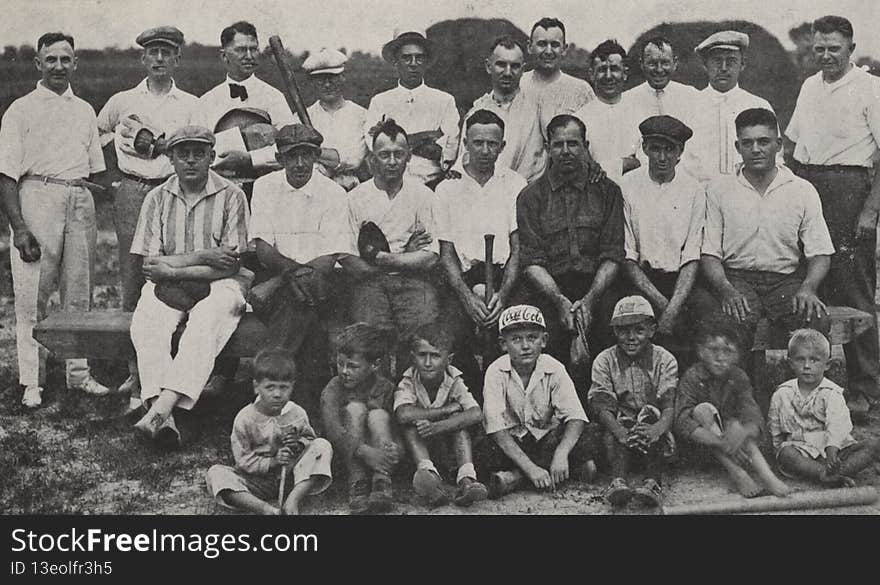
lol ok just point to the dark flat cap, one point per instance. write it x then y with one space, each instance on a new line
666 127
168 35
293 135
190 134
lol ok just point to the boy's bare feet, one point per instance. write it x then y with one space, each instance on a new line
359 497
744 483
470 491
270 510
776 486
836 480
150 423
618 493
381 496
429 485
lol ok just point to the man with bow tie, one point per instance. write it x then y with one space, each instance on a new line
240 53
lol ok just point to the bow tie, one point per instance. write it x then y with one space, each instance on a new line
238 91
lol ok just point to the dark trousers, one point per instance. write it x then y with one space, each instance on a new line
685 325
852 280
488 456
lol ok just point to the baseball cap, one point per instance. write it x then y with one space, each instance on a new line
325 61
520 316
190 134
629 310
667 128
726 39
161 34
294 135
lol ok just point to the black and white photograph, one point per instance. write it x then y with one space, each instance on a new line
498 257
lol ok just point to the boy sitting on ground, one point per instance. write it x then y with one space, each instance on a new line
716 409
268 435
633 397
531 410
356 412
436 409
809 421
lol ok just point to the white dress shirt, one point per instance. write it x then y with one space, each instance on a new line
564 95
43 133
663 222
418 110
468 211
612 132
343 130
303 223
837 123
163 112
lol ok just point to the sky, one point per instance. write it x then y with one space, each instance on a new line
366 25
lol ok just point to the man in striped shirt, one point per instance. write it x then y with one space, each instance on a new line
190 232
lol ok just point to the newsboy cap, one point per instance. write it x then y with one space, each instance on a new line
168 35
293 135
325 61
666 127
726 39
190 134
402 37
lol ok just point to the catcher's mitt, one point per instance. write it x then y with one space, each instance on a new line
182 294
371 241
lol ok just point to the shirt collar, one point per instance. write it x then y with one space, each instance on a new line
578 180
646 360
542 366
308 189
214 185
783 176
419 89
47 93
848 77
719 96
249 83
825 384
144 88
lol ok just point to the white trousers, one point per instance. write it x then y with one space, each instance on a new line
210 324
62 219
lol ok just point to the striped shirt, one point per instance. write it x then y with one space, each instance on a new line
169 224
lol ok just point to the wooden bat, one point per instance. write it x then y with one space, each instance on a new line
811 500
284 430
291 89
489 239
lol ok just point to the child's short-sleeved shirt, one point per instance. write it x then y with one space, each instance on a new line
625 385
256 437
549 400
811 423
410 390
732 395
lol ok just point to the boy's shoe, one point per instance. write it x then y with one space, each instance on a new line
131 386
429 485
649 494
381 497
93 387
470 491
167 437
32 397
359 497
504 482
618 493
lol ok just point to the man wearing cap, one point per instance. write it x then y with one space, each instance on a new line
240 53
659 94
611 126
571 239
49 146
339 120
835 131
556 91
664 212
135 124
300 230
712 151
428 115
190 233
757 223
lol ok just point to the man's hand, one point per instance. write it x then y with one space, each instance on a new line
495 306
583 312
419 239
539 477
475 308
734 303
566 316
806 304
233 161
866 225
284 456
27 245
221 257
426 428
668 317
558 469
594 171
155 270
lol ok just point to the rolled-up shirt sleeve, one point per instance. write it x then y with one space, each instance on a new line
147 239
566 404
694 242
11 152
814 231
601 396
712 240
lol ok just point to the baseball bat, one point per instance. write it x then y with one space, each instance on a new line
489 239
291 89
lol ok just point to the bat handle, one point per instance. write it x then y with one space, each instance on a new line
281 487
489 240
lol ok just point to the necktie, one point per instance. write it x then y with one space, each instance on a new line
238 91
724 162
659 93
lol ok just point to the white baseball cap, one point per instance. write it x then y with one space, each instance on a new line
629 310
519 316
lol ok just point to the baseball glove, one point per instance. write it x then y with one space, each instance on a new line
182 294
371 241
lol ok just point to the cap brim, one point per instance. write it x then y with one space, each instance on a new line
664 137
185 140
625 320
160 42
390 48
523 326
332 70
721 46
289 147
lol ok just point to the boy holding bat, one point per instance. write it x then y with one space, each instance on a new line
276 451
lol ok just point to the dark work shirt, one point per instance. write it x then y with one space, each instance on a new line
570 225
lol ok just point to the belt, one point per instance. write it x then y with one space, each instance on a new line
145 181
833 168
85 184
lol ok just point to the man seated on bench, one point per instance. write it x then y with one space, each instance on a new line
757 220
299 227
190 232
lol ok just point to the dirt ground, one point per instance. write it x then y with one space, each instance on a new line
77 455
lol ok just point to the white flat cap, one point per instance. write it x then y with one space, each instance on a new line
325 61
726 39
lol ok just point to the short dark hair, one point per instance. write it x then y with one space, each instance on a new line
756 117
563 120
658 41
52 38
483 117
242 27
832 24
719 326
389 128
605 50
274 363
547 23
506 41
437 334
364 339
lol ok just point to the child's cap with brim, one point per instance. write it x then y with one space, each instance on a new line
521 316
630 310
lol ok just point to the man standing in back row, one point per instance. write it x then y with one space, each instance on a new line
835 129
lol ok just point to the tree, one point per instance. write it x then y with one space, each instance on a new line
10 53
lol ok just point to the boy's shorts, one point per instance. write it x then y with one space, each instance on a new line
314 461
